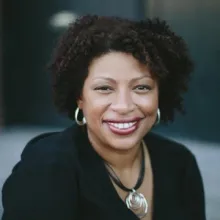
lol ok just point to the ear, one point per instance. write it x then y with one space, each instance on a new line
80 103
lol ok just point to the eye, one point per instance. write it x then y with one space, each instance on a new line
142 88
104 89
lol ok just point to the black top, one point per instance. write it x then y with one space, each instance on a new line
61 177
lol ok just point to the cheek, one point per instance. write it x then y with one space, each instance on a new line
93 105
148 102
94 108
97 102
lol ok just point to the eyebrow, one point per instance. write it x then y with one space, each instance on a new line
132 80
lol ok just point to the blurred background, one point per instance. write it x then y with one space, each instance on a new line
28 33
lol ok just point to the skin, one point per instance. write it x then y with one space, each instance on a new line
119 87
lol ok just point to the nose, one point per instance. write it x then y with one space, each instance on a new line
123 103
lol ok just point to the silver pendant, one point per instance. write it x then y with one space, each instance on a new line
137 203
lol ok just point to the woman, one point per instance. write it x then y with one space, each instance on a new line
117 78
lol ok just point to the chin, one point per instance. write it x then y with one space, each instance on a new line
123 144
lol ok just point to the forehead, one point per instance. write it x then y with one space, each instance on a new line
116 64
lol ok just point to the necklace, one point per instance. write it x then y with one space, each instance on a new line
135 201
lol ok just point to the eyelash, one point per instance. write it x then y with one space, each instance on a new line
107 89
146 87
104 88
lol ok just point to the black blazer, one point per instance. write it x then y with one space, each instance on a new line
61 177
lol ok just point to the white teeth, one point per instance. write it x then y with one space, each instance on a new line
126 125
123 125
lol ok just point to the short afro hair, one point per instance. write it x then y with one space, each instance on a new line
150 41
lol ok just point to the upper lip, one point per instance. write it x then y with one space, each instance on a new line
123 120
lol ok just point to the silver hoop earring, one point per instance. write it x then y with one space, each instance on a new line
158 117
81 123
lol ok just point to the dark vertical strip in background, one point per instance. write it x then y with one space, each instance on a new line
141 9
1 74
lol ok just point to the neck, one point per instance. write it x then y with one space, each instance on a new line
119 160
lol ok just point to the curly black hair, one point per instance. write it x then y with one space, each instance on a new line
150 41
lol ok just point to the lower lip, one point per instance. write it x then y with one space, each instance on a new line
125 131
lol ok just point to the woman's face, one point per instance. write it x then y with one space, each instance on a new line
119 101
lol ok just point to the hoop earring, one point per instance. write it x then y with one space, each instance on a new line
158 117
81 123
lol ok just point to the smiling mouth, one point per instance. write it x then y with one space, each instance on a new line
123 126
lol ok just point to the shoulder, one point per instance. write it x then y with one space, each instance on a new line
46 177
169 143
50 148
168 148
172 156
